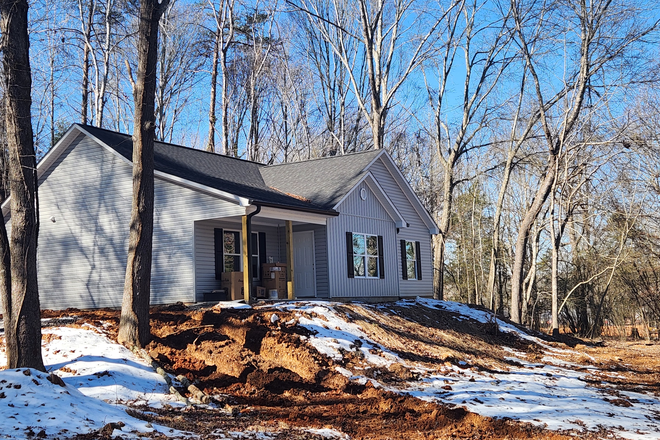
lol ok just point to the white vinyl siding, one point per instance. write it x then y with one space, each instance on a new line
417 230
366 217
82 255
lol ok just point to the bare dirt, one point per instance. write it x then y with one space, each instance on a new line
266 377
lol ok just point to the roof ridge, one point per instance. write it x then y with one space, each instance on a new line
323 158
173 144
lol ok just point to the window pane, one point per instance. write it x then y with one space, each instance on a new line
372 245
410 250
358 244
412 273
232 243
255 267
358 266
373 267
232 263
254 245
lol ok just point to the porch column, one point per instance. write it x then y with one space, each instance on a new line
245 250
289 258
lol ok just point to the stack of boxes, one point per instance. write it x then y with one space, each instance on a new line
273 277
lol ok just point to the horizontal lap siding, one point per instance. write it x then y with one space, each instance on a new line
416 231
361 216
205 251
82 255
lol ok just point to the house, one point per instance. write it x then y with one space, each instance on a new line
350 227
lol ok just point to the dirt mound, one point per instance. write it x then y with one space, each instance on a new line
259 362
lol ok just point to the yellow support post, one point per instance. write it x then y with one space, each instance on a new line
246 261
289 259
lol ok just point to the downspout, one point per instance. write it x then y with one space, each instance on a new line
248 233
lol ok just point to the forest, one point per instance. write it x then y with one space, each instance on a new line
528 128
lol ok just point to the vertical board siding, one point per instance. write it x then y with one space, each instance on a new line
368 208
367 217
416 231
340 284
320 257
82 255
205 251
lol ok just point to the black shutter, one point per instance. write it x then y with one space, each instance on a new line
404 261
418 254
262 253
218 246
381 260
349 254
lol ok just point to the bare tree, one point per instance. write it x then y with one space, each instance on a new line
223 16
179 65
484 42
605 32
134 330
394 39
21 309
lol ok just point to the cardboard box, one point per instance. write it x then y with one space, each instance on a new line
233 283
273 277
261 292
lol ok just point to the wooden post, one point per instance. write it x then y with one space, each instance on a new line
246 260
289 259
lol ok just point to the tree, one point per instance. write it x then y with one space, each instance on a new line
134 328
223 17
21 309
599 35
390 48
484 43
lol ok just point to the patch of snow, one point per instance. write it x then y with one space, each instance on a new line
30 402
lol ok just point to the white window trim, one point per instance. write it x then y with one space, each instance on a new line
414 260
240 245
365 255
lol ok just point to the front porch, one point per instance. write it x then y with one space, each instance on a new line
266 235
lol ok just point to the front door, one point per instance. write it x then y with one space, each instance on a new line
304 274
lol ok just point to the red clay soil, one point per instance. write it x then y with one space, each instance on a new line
265 375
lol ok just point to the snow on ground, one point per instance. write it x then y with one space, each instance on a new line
551 393
100 377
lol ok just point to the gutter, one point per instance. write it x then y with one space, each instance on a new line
248 232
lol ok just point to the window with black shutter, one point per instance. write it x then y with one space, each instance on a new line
411 262
364 253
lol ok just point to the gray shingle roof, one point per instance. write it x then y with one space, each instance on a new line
324 181
235 176
315 185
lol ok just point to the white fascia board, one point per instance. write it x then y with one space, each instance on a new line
382 198
241 201
296 216
409 193
49 158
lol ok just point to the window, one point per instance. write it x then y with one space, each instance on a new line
232 251
365 255
254 246
228 257
411 262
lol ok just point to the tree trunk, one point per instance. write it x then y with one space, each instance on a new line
210 146
445 218
134 328
523 237
84 107
22 311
